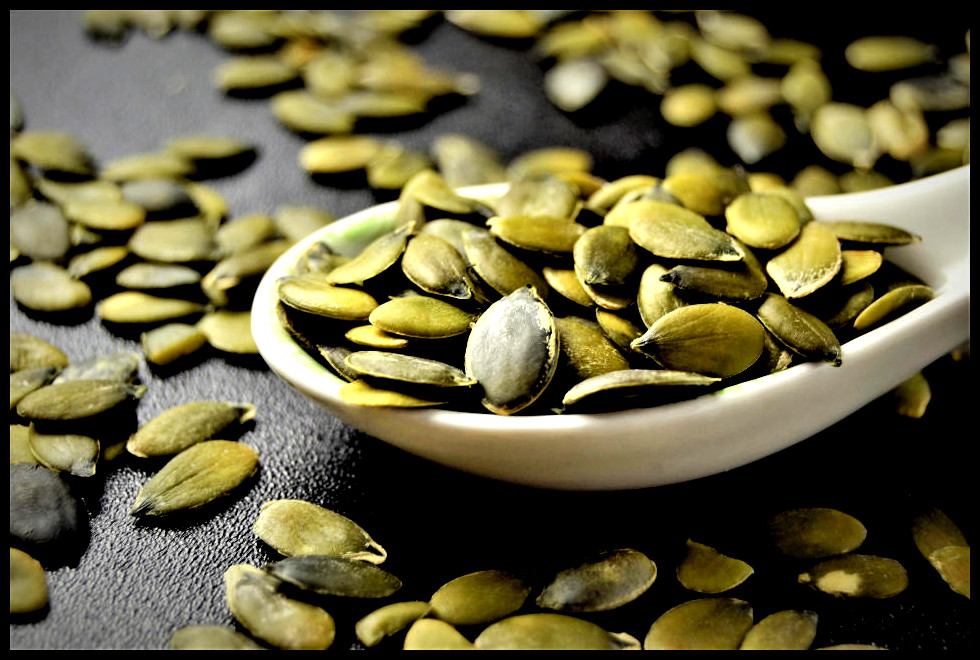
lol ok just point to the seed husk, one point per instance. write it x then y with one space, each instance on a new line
28 352
892 303
379 255
43 512
39 231
212 638
953 564
479 597
857 576
75 454
799 330
808 263
335 576
762 220
547 631
196 476
786 630
255 602
28 584
297 527
814 533
174 241
137 307
872 233
708 571
600 583
46 287
434 635
25 381
170 342
389 620
682 235
422 317
177 428
713 339
511 363
498 267
702 624
406 368
77 399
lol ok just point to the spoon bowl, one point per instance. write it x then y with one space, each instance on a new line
678 441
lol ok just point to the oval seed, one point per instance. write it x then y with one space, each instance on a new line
25 381
888 53
389 620
46 287
605 255
313 294
335 576
253 72
546 631
74 454
434 635
171 342
369 335
338 153
543 195
897 301
361 393
620 330
96 260
152 165
703 624
953 564
77 399
874 233
407 368
586 348
813 533
374 259
857 576
201 146
120 366
541 233
304 112
605 582
297 527
933 530
102 215
29 352
912 396
496 266
708 571
39 231
713 339
436 267
700 192
656 297
810 262
859 264
211 638
255 602
28 584
144 275
761 220
244 232
755 136
229 331
683 235
479 597
52 150
174 241
800 331
422 317
196 476
688 105
622 383
743 281
787 630
177 428
512 351
567 284
843 133
139 307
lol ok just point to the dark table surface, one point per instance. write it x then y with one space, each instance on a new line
133 584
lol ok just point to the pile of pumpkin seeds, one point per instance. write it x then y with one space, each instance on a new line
280 605
571 293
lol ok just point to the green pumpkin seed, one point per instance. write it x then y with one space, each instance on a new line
253 72
244 232
338 153
680 235
320 259
815 180
295 221
379 255
255 602
303 112
211 204
762 220
434 635
567 284
239 272
96 260
503 23
903 134
897 301
361 393
810 262
843 133
754 136
28 584
953 564
77 399
394 166
429 188
601 583
202 147
858 264
857 576
688 105
620 384
39 231
888 53
196 476
873 233
862 180
52 151
170 342
43 512
708 571
335 576
422 317
182 426
437 267
465 161
120 366
513 365
586 349
605 255
718 62
498 267
732 30
407 369
138 307
45 287
745 280
297 527
799 330
211 638
75 454
117 215
912 396
748 95
314 294
146 276
933 530
389 620
541 233
621 331
25 381
713 339
702 624
814 533
29 352
548 631
787 630
538 196
144 166
611 193
573 84
335 356
656 297
479 597
174 241
369 335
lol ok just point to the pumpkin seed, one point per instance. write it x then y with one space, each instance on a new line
211 638
745 280
434 635
549 160
620 384
46 287
75 454
912 396
762 220
338 153
394 166
732 30
573 84
423 317
682 235
237 273
713 339
479 597
605 255
888 53
25 381
502 23
656 297
96 260
143 166
406 368
708 571
187 424
701 624
549 631
843 132
814 533
43 512
799 330
748 95
119 215
20 445
28 352
567 284
857 576
437 267
296 221
787 630
196 476
620 330
335 576
465 161
147 276
858 264
297 527
379 255
897 301
498 267
77 399
429 188
902 134
872 233
717 61
28 584
244 232
121 366
138 307
544 195
361 393
586 349
754 136
953 564
815 180
304 112
255 602
200 147
933 530
52 151
604 582
174 241
39 231
244 73
170 342
313 294
389 620
810 261
688 105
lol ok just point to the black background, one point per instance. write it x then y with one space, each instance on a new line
132 585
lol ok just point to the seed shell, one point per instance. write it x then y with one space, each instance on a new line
177 428
875 233
229 331
437 267
702 624
586 348
479 597
897 301
537 232
708 571
600 583
953 564
297 527
335 576
617 385
857 576
314 294
407 368
499 268
379 255
121 366
25 381
762 220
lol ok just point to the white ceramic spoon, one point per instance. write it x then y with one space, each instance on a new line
688 439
